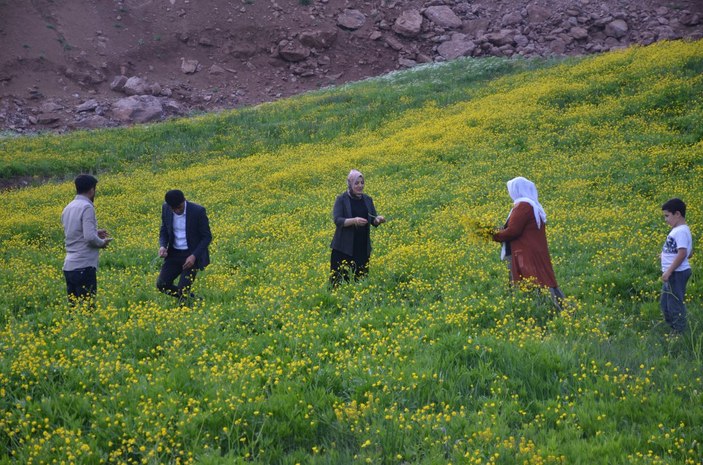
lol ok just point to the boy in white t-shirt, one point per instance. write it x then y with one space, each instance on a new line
675 268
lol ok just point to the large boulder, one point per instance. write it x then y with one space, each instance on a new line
137 109
579 33
537 13
443 16
503 37
408 24
511 19
92 122
88 105
690 19
135 86
456 48
351 19
617 28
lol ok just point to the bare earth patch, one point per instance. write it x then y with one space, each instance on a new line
91 64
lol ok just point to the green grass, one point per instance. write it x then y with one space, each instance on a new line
431 359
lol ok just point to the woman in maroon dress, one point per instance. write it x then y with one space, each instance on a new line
525 240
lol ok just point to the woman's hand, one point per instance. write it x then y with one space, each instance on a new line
379 219
356 221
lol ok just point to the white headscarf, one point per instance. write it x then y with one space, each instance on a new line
524 190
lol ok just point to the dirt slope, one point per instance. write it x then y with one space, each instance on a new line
61 60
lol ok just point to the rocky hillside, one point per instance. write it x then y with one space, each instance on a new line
96 63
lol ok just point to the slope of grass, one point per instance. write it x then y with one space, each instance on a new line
432 358
314 117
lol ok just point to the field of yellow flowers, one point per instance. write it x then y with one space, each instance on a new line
432 359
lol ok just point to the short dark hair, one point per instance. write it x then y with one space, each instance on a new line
174 198
84 183
675 205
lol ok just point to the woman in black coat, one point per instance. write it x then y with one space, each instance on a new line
353 212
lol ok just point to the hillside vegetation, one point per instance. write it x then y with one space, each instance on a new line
432 358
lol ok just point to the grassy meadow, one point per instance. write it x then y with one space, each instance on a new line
433 359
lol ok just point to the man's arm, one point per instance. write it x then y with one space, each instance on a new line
163 231
90 229
680 257
163 234
203 232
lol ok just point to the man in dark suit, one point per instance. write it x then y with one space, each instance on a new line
184 239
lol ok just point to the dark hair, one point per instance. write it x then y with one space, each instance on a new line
675 205
174 198
84 183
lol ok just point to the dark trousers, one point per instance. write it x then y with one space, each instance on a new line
671 301
172 269
344 267
81 284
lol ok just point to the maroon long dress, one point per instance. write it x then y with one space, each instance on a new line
528 246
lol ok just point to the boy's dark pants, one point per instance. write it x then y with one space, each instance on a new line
672 305
171 269
81 284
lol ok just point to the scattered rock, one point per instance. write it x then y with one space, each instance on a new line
351 19
320 39
206 42
617 28
578 33
172 106
47 118
690 19
511 19
557 46
537 14
118 83
50 107
241 49
293 52
35 94
92 122
443 16
406 63
521 41
216 70
88 105
135 86
453 49
189 66
155 89
394 43
408 24
84 74
137 109
504 37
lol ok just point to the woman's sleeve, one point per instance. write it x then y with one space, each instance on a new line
516 223
338 212
372 213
